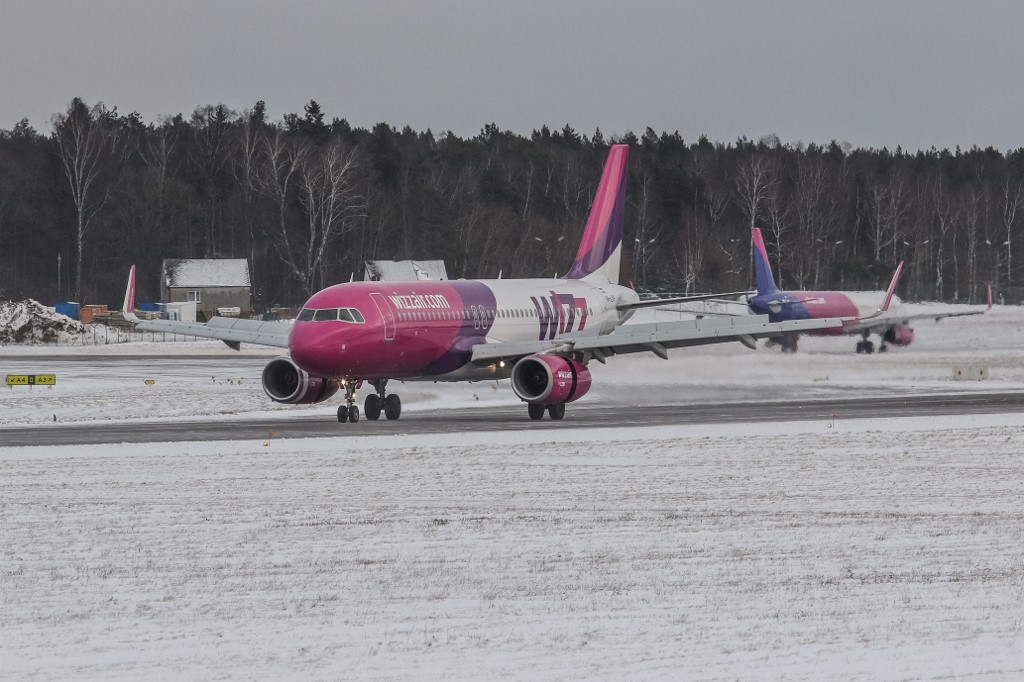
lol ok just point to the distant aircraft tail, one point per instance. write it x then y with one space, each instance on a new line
128 307
762 268
597 259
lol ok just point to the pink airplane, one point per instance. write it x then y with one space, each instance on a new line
540 333
861 308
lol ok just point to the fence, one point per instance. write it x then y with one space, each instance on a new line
102 335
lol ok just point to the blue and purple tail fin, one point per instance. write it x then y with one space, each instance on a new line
597 259
762 268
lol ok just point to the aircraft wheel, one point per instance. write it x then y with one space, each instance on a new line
869 347
392 406
556 412
353 414
343 413
883 348
371 408
535 410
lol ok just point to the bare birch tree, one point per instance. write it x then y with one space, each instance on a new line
87 140
754 182
327 195
1013 203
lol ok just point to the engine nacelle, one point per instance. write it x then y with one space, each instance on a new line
550 379
285 382
899 336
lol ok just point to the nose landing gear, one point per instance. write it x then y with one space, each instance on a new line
349 412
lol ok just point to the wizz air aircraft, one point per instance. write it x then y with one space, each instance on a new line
541 333
864 316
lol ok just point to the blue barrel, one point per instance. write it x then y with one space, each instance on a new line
72 310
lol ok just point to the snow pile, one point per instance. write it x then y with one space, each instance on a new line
30 322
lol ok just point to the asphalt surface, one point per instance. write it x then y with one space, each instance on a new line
514 418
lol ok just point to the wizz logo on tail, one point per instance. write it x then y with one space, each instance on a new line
558 314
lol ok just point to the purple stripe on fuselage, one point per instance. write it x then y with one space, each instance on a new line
480 300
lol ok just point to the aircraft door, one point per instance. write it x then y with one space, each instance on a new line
386 313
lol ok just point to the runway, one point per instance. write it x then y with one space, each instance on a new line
514 418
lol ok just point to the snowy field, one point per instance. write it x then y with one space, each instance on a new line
862 549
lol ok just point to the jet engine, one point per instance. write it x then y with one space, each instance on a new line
901 335
550 379
284 382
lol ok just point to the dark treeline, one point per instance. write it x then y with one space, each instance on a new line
307 200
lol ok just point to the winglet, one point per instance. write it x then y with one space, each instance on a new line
888 293
128 307
601 247
892 287
762 268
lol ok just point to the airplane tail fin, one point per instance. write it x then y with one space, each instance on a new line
128 307
762 268
597 259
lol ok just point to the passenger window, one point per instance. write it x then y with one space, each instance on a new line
326 315
305 315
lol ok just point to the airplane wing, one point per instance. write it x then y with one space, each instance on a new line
231 330
653 302
876 321
655 338
884 322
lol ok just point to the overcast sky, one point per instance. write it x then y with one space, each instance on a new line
882 73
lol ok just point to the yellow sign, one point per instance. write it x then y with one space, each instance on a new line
31 379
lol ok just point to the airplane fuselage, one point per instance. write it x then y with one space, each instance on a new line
427 329
782 306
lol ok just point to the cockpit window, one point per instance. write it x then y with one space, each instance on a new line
331 315
326 315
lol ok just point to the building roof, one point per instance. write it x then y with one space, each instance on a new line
206 272
404 270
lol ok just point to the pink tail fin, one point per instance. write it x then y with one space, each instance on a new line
128 307
601 247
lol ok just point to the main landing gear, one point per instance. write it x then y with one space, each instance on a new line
536 411
390 405
866 346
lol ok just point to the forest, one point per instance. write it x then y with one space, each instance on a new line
308 199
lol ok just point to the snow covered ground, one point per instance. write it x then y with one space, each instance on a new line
874 549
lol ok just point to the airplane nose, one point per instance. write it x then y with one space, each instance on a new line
309 348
